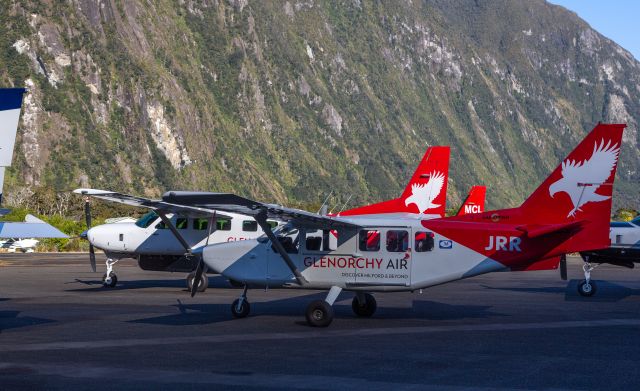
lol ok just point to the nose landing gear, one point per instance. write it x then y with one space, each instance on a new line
240 307
587 288
202 284
109 279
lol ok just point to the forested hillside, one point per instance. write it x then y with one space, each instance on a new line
285 100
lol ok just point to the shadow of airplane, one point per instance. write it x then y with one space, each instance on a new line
197 314
11 320
97 286
606 291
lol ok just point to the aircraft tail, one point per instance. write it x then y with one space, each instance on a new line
569 212
577 194
474 203
426 192
10 104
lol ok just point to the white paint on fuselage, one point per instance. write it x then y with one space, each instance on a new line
255 262
130 240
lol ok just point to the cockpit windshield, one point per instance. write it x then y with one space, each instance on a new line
147 219
636 221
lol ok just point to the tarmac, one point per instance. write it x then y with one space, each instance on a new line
60 329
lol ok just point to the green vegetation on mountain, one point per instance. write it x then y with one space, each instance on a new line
288 100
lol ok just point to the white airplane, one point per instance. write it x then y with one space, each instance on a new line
569 212
24 245
623 250
165 238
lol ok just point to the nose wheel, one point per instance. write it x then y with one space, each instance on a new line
109 279
202 284
240 307
587 288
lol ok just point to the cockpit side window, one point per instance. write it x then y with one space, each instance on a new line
147 219
200 224
182 223
223 225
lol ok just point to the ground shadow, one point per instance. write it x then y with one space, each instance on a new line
97 286
606 291
11 320
196 314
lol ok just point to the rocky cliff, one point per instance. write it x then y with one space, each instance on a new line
286 100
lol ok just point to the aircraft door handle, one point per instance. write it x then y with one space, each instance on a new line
356 255
155 234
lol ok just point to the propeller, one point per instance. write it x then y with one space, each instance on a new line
201 265
87 216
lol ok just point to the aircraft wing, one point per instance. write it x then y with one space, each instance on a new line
130 200
235 204
31 228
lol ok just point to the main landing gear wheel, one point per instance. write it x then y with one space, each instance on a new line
110 281
240 309
319 313
202 284
365 306
587 288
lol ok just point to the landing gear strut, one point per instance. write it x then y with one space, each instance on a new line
320 312
364 304
202 284
587 287
240 307
109 279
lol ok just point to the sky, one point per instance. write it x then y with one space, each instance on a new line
615 19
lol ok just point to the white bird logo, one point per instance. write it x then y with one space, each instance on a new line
580 180
423 194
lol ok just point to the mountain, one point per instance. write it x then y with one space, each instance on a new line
286 100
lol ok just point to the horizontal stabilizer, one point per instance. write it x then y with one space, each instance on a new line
30 230
536 230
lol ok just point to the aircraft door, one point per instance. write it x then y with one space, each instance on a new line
328 256
384 257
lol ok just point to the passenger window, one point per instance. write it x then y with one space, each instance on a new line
181 223
223 225
272 224
250 226
325 240
161 225
424 241
369 240
200 224
313 243
397 241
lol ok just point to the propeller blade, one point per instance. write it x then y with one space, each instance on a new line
87 212
563 267
87 217
92 257
197 277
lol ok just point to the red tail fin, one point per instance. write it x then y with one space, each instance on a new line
474 203
580 188
426 192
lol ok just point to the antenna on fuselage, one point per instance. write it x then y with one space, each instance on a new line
323 208
346 202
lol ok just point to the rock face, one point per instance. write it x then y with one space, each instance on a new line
286 101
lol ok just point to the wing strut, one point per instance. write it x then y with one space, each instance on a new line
261 218
174 231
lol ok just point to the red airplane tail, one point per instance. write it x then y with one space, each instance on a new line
474 203
569 212
577 195
426 192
